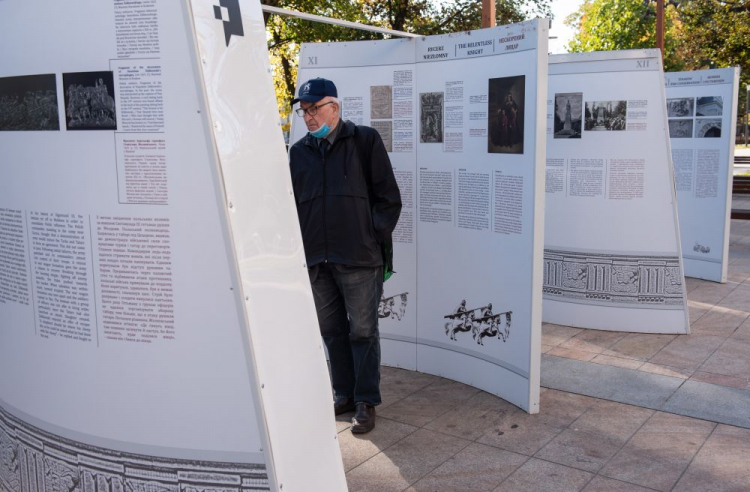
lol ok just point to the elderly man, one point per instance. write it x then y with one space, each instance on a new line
348 204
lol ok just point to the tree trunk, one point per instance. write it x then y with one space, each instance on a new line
286 68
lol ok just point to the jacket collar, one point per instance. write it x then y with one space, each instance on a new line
347 130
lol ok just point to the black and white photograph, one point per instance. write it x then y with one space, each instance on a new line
381 102
431 117
709 106
481 321
606 115
505 115
385 129
680 128
90 101
568 115
708 128
29 103
681 107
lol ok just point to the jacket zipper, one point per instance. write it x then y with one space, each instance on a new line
325 199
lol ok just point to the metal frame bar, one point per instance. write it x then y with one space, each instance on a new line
336 22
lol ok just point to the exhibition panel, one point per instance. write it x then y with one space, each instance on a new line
612 258
150 253
461 116
383 97
702 110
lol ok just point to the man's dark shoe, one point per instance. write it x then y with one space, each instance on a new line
343 405
364 419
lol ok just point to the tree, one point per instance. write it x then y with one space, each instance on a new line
604 25
719 36
699 33
426 17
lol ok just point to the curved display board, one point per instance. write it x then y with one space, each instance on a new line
460 116
612 258
702 110
148 243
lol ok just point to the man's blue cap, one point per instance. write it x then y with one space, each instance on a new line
314 90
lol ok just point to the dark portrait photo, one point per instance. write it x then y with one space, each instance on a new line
505 115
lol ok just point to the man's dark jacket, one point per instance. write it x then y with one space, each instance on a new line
343 221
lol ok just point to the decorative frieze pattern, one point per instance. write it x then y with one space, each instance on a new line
649 281
32 460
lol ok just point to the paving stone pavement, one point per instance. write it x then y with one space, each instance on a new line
470 441
638 434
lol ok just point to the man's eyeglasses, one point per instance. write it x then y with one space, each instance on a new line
312 110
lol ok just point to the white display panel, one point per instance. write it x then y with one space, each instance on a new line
139 293
612 257
471 225
358 83
701 112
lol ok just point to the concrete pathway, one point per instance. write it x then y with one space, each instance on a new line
675 395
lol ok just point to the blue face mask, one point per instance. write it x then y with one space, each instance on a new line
321 132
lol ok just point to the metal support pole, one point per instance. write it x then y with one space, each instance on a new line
660 26
488 13
747 113
336 22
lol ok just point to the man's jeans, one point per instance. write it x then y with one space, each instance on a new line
347 299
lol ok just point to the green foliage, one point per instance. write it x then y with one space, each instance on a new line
717 36
605 25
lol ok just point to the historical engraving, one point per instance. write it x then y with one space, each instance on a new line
650 281
568 115
709 106
381 102
385 129
699 248
505 115
606 115
90 101
431 117
393 307
28 103
708 128
680 128
481 322
680 107
33 460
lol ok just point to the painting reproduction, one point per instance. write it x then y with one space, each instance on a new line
506 115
